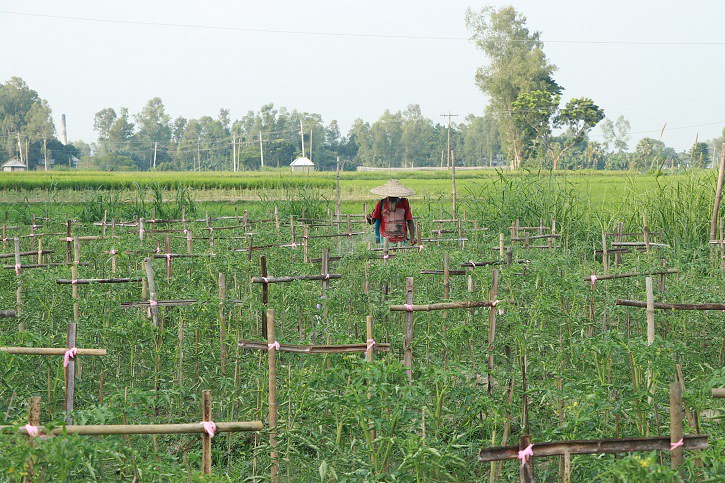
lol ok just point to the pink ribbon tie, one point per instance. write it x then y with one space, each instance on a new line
32 430
274 345
473 264
500 311
420 248
371 343
152 303
681 442
17 269
495 303
69 239
265 280
69 354
528 451
113 252
168 257
209 428
593 279
327 276
408 307
386 256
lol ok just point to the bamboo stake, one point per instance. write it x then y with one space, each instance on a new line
205 438
222 321
33 420
527 468
493 293
167 252
177 428
440 306
265 294
272 363
718 195
370 339
408 341
69 242
19 291
153 308
676 424
650 311
50 351
70 375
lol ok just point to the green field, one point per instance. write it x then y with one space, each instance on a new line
341 418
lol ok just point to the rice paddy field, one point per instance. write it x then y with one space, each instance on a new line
528 344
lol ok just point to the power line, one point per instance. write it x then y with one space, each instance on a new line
236 29
348 34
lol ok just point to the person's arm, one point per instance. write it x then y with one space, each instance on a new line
411 230
410 223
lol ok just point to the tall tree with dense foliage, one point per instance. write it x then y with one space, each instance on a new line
537 113
517 64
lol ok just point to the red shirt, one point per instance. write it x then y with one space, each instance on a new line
393 223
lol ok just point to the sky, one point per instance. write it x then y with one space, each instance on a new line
657 64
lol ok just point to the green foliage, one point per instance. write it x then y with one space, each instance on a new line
342 418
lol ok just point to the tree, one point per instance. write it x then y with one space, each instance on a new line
415 137
577 118
616 134
39 127
536 113
517 65
649 153
700 155
102 124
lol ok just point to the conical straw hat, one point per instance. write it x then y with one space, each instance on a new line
392 188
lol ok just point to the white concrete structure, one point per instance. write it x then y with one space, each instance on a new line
302 165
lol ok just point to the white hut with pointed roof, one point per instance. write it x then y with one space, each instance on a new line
302 165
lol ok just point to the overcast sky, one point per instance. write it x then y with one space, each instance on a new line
654 63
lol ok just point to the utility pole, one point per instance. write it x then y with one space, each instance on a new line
234 153
449 115
302 136
155 146
20 148
261 150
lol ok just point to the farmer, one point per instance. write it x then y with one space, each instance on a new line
392 217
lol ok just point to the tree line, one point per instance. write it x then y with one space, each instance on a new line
526 124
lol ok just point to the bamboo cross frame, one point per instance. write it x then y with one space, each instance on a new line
409 308
676 442
272 347
69 370
111 429
589 446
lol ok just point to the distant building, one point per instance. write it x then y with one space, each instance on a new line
302 165
14 165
